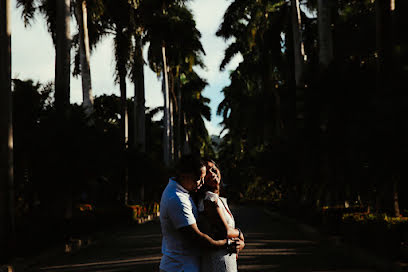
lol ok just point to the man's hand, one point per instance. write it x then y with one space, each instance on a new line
240 244
236 246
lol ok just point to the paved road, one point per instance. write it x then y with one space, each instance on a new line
273 243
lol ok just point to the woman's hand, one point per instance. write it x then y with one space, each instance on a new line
241 235
239 244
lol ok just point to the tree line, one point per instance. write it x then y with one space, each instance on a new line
315 112
57 145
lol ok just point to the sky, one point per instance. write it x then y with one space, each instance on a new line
34 57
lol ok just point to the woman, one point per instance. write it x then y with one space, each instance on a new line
217 220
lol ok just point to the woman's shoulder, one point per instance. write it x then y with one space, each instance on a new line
210 196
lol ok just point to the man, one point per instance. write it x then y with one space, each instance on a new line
182 239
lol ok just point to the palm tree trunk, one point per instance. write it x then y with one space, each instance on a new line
173 109
383 28
121 44
124 131
298 42
166 119
62 58
325 34
123 108
186 144
6 136
63 197
139 112
178 125
121 41
84 51
397 212
171 114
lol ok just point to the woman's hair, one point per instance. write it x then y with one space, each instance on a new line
207 160
205 187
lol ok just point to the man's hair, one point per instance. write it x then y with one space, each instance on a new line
189 164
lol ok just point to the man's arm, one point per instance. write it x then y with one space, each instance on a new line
195 235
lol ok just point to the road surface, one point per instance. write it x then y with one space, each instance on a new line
273 243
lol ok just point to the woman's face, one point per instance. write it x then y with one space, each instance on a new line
213 176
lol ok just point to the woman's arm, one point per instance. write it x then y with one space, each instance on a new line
217 216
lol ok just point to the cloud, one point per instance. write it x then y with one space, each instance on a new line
212 129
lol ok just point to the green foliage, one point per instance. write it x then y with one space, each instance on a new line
368 218
260 189
326 142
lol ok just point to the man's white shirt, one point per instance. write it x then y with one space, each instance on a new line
177 210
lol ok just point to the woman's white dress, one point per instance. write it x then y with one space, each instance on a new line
218 260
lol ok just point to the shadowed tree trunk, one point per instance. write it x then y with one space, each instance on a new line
139 112
383 9
186 142
178 123
384 40
325 34
166 118
62 58
122 53
298 46
173 110
62 196
397 212
121 40
85 55
6 136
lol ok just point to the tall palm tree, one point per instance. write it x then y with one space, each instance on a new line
256 27
299 50
118 17
172 33
91 29
62 56
57 14
81 15
195 110
325 35
139 98
6 134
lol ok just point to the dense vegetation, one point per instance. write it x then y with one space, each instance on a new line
330 130
313 117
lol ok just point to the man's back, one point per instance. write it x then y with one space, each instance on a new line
177 210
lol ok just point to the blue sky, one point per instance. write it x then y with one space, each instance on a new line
33 58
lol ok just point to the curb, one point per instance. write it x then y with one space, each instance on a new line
361 254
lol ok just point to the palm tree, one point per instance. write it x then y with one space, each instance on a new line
91 29
6 134
139 98
81 15
195 110
299 50
325 35
173 47
256 27
118 17
57 14
62 56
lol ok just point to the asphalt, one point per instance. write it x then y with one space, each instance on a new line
273 243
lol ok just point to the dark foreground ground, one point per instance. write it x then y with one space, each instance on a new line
273 243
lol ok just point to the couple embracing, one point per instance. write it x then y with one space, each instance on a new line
197 225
